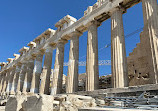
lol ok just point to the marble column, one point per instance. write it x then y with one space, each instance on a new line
118 51
150 15
46 72
18 69
21 77
92 78
72 76
58 69
10 81
28 75
5 82
15 80
12 91
1 80
36 74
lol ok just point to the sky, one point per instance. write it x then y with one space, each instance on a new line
21 21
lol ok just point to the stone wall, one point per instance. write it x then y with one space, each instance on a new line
138 66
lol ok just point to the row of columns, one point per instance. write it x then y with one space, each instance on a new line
29 76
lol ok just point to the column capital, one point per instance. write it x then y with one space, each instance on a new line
19 63
4 71
31 57
11 68
62 41
48 47
24 62
39 52
75 33
123 10
14 65
94 22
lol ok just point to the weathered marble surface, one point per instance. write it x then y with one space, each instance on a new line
30 103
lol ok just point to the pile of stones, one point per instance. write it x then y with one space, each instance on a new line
72 102
32 102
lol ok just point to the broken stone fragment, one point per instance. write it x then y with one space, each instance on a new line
30 103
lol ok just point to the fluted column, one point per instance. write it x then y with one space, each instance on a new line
36 74
15 79
21 77
150 15
28 75
118 51
10 81
1 80
5 82
72 76
92 78
17 72
58 69
46 72
13 84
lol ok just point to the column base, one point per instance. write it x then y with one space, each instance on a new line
7 93
18 93
12 93
24 93
1 94
30 93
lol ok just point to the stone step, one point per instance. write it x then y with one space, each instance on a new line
2 108
110 109
125 98
152 106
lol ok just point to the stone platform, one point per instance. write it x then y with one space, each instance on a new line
133 90
2 108
110 109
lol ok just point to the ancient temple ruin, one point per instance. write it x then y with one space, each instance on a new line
24 74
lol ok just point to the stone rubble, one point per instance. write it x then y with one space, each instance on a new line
30 103
72 102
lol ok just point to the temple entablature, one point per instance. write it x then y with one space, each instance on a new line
101 2
43 37
24 54
99 12
65 22
98 4
89 10
23 50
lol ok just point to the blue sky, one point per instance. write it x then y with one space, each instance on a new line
23 20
